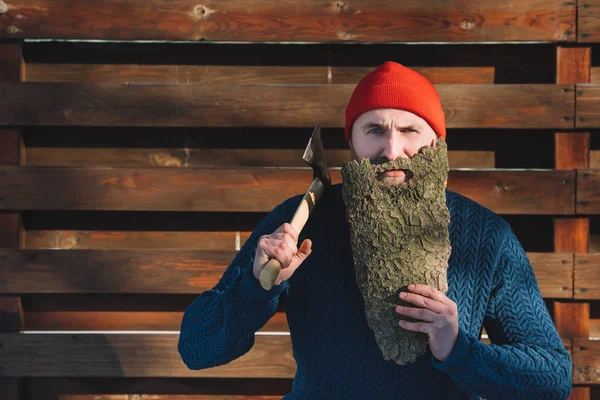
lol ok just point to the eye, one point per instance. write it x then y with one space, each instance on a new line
376 130
409 130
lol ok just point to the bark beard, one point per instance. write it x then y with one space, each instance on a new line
399 235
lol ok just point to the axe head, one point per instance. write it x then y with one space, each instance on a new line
315 157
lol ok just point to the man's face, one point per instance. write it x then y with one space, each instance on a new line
390 133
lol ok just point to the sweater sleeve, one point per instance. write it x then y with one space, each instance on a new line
526 358
219 325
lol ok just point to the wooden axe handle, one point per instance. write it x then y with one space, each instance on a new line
271 271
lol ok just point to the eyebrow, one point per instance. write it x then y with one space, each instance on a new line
383 126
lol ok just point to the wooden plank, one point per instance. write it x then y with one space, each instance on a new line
572 320
588 106
229 74
572 150
588 21
212 158
595 159
571 234
595 75
135 240
123 321
465 106
286 21
580 393
53 388
132 355
176 271
588 191
106 271
257 190
554 273
595 329
587 276
573 64
163 397
586 361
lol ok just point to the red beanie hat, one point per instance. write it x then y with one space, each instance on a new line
392 85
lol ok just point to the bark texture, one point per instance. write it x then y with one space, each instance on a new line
399 236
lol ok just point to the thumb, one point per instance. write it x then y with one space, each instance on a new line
303 251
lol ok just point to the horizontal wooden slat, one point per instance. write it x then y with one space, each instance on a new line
132 240
588 106
212 158
587 276
139 355
106 271
177 271
554 273
122 321
588 191
54 388
163 397
132 355
285 21
192 105
31 188
588 27
228 75
586 361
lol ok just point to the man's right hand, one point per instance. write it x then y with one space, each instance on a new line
281 245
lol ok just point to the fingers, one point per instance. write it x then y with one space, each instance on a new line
417 313
423 302
423 327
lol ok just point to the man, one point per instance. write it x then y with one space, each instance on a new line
393 113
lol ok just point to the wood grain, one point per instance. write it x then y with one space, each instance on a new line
134 240
132 355
588 106
465 106
573 64
572 150
595 75
176 271
235 75
588 191
137 355
595 159
572 320
287 21
251 189
212 158
123 321
571 234
588 21
586 361
587 276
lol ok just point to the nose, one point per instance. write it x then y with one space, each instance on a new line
394 147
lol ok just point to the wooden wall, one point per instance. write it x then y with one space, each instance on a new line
138 142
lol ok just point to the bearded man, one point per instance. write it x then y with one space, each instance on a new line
402 277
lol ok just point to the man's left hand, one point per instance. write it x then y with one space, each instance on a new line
437 316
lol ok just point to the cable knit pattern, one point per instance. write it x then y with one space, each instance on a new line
489 278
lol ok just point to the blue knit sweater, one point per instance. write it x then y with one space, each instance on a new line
489 278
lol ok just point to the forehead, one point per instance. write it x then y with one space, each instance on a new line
388 116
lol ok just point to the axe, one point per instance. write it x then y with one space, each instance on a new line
313 155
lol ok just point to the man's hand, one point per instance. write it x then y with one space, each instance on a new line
437 315
281 245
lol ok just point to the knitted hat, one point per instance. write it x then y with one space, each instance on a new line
392 85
